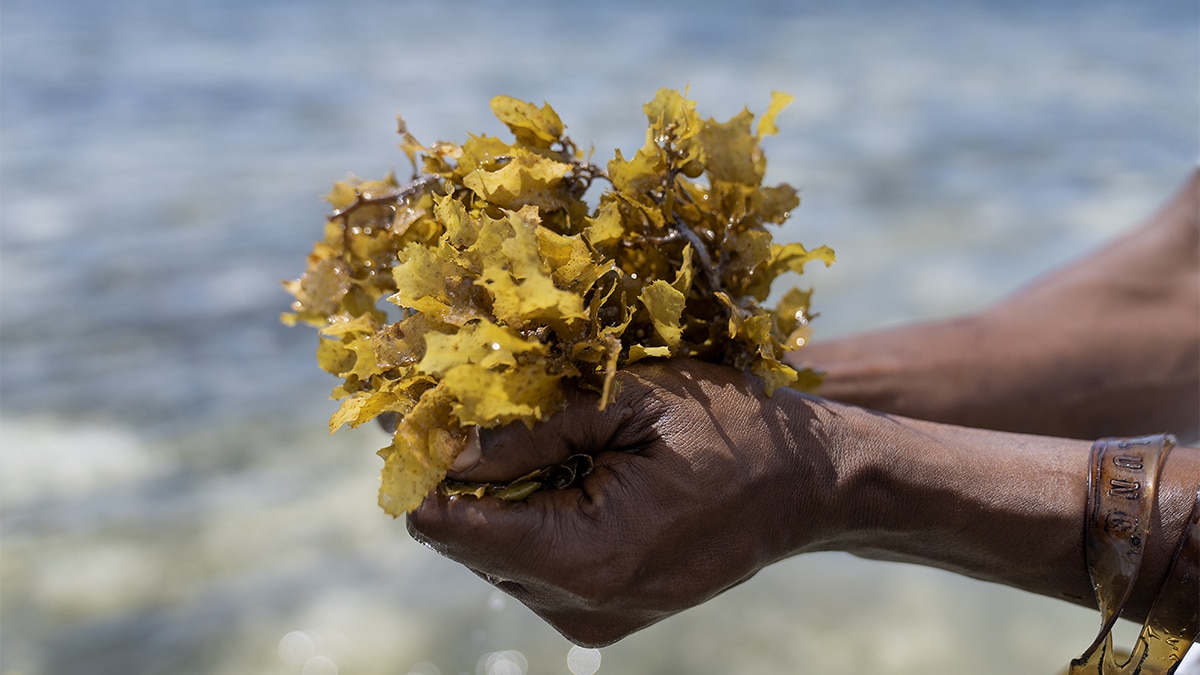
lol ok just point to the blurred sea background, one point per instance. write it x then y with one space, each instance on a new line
170 499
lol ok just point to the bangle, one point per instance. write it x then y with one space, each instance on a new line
1174 620
1122 495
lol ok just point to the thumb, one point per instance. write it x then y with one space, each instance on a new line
506 453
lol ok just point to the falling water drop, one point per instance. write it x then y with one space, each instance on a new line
297 647
582 661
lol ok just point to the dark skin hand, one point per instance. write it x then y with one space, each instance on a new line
701 480
635 543
686 502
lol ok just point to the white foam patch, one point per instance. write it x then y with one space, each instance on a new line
45 458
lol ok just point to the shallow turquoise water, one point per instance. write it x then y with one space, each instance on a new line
170 502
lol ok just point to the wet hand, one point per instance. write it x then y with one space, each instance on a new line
699 481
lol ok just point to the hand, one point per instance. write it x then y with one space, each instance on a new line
700 480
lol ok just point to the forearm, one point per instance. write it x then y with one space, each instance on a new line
1002 507
923 371
1107 346
990 372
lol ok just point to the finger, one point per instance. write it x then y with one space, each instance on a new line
471 453
509 542
509 452
550 536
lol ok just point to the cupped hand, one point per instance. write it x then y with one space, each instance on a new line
700 480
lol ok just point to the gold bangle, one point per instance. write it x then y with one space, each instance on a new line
1122 496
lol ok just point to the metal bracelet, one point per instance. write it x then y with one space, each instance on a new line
1122 496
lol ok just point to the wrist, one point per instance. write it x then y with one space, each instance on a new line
995 506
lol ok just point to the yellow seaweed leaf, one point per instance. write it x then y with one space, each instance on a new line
526 179
365 363
514 274
774 204
675 125
672 113
334 357
341 325
733 152
535 299
766 123
572 265
639 352
321 290
794 257
605 227
683 277
424 279
342 194
791 313
774 374
481 342
489 398
665 305
736 314
756 330
364 406
461 230
539 127
425 443
486 153
635 178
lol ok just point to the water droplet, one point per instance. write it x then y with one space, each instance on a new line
424 668
319 665
507 662
296 648
582 661
495 346
497 601
633 275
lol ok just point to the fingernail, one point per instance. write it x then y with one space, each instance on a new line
471 453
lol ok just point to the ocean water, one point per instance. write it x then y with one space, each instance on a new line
169 499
